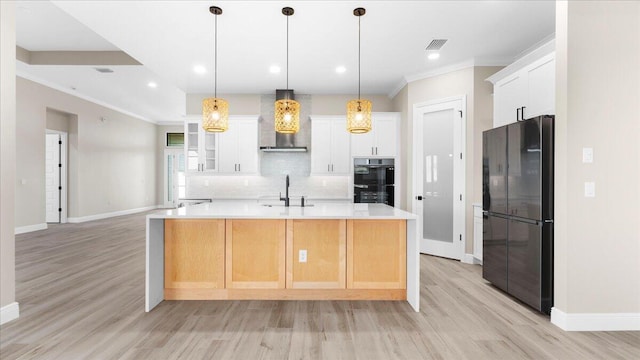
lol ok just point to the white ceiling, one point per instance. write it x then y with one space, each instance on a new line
170 37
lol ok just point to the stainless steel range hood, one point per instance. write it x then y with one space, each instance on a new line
284 142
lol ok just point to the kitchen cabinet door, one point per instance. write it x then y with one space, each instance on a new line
362 145
321 146
255 254
247 146
228 149
541 92
330 146
509 97
376 254
386 135
316 254
194 254
381 141
191 145
200 146
340 148
238 147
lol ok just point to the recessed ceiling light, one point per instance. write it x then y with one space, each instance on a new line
274 69
433 56
199 69
341 69
152 85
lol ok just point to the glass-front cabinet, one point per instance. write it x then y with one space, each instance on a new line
200 147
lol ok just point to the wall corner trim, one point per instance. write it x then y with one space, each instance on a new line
595 321
9 312
30 228
82 219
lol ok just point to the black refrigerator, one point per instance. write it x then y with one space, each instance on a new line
517 202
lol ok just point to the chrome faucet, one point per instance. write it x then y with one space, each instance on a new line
286 194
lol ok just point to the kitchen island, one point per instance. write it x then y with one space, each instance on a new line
248 250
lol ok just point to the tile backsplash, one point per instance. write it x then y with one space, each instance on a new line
253 187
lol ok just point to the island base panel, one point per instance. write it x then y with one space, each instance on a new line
285 294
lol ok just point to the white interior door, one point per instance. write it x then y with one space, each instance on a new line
52 178
439 177
174 177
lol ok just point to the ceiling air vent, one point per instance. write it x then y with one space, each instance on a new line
436 44
104 70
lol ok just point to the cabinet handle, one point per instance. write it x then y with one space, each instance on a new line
238 167
372 153
522 112
518 114
331 167
328 168
376 150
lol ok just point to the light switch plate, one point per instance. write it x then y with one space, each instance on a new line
587 155
302 256
589 189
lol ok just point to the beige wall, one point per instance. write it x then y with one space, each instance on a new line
7 151
400 103
483 120
112 156
597 240
57 120
457 83
239 104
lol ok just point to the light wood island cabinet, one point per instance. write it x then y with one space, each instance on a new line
331 251
194 253
324 242
255 254
376 252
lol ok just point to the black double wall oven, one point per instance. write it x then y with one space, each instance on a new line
373 181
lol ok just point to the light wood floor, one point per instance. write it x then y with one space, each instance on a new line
81 294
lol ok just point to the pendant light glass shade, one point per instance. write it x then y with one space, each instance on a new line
215 114
287 116
215 111
359 110
359 116
287 111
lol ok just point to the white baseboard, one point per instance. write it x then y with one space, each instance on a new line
469 259
30 228
109 215
595 321
9 312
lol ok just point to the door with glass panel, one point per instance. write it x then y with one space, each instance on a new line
174 175
439 177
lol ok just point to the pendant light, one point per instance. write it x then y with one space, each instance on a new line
359 110
287 111
215 111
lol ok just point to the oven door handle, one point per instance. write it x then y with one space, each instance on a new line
361 186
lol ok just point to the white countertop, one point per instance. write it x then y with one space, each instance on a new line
238 209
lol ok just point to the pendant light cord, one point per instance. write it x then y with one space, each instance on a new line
287 53
215 59
359 17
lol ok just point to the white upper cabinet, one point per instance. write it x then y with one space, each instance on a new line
233 151
238 146
330 144
524 89
381 141
200 147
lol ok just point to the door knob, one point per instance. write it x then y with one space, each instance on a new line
419 197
